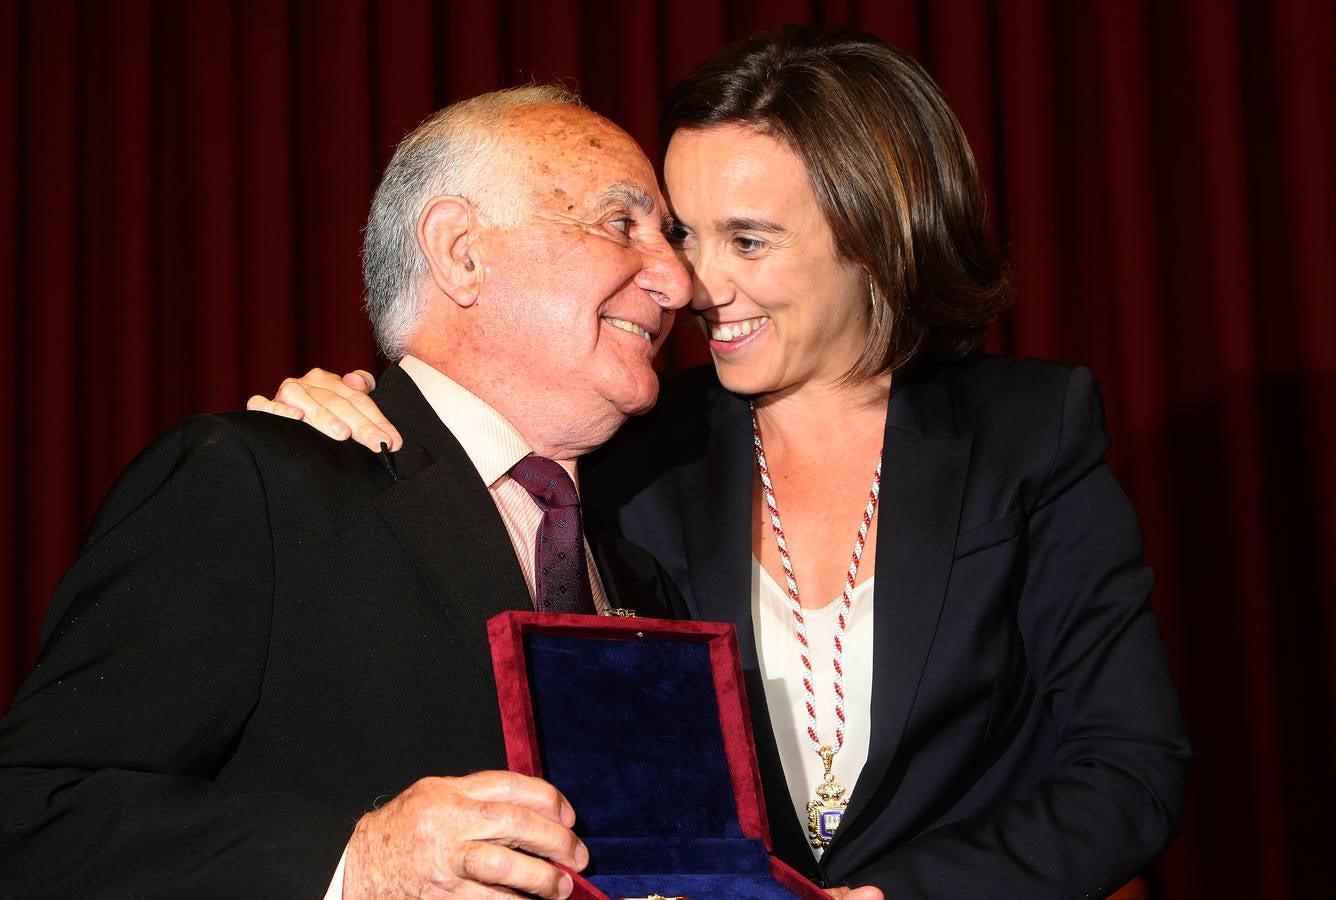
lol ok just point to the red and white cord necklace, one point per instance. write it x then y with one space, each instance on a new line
825 812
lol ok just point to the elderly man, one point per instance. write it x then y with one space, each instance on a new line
269 634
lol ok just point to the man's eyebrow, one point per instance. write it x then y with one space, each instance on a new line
632 196
745 224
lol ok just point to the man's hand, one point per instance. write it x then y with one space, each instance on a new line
336 407
862 893
463 837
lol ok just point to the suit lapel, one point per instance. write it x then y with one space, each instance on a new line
924 468
442 513
624 586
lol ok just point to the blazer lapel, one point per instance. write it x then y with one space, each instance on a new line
924 468
442 513
715 501
716 498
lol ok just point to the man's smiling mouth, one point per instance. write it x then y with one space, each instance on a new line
632 327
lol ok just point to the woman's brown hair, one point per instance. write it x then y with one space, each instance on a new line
891 169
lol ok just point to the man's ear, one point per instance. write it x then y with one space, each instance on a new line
446 231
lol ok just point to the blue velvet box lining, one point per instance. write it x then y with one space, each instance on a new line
629 730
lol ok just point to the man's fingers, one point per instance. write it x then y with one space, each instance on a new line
446 832
516 826
522 790
494 865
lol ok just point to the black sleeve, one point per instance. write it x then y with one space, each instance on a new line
113 755
1093 648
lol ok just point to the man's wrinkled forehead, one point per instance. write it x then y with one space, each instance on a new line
573 157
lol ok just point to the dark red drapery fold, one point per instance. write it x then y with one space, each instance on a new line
184 186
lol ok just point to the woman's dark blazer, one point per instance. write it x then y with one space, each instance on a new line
1026 737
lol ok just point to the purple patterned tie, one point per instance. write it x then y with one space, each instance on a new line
561 578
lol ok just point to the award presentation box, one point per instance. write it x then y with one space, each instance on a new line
643 725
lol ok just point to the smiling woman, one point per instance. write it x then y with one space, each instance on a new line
974 701
781 305
880 154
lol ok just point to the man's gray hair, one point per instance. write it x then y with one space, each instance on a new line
455 152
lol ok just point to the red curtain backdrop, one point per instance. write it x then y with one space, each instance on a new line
183 188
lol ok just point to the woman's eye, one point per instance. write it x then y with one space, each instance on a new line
748 244
676 235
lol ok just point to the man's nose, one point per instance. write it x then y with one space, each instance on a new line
665 277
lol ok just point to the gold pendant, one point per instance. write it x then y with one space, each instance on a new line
825 812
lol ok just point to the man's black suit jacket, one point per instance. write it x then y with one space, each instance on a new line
1026 738
267 634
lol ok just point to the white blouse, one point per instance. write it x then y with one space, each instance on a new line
782 672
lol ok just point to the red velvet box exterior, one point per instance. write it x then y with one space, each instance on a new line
510 633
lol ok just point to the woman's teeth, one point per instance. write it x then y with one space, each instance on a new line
731 331
628 326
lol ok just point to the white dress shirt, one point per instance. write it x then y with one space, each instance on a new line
782 674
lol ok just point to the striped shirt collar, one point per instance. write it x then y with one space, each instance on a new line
491 443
